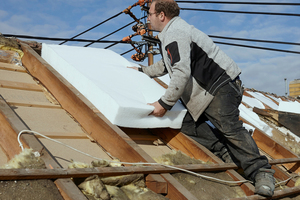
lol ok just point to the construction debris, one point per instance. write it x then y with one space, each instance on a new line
201 187
131 187
28 189
27 159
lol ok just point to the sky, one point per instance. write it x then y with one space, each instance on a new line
261 69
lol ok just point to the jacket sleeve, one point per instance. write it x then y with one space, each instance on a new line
155 70
178 50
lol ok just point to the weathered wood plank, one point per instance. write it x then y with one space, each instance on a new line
20 85
277 194
176 191
8 139
290 121
12 67
13 125
272 148
34 104
67 190
19 174
261 112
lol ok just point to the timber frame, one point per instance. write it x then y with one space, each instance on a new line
158 179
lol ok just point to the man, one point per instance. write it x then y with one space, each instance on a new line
207 82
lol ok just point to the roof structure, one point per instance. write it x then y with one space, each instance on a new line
36 101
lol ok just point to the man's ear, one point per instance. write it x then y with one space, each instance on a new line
162 16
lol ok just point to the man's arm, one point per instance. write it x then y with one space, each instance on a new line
178 51
153 71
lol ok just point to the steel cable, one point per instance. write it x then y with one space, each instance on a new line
93 27
257 47
243 12
235 2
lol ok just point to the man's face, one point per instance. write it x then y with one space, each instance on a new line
153 18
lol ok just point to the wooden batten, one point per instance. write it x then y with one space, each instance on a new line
21 86
11 125
12 67
290 121
261 112
8 139
272 148
277 194
21 174
34 104
269 114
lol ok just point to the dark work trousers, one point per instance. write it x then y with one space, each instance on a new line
228 132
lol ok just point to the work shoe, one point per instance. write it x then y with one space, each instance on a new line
265 182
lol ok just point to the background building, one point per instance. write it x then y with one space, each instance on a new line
294 88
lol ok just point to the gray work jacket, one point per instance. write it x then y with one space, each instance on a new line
196 66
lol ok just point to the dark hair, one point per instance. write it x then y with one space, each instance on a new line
169 7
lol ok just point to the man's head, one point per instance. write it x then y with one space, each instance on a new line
161 12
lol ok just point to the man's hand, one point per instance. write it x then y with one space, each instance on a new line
136 68
158 111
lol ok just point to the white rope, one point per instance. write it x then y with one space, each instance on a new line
129 163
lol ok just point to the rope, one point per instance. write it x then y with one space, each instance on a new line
140 163
128 163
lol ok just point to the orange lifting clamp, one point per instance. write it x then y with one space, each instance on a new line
139 29
140 3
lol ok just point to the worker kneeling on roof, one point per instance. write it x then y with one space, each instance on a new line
207 82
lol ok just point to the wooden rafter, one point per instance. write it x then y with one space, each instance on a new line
11 126
96 125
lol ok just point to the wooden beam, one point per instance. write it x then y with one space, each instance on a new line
34 104
65 137
137 137
11 67
281 175
261 112
284 161
20 85
176 191
273 148
290 121
277 194
8 139
11 125
96 125
67 190
19 174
